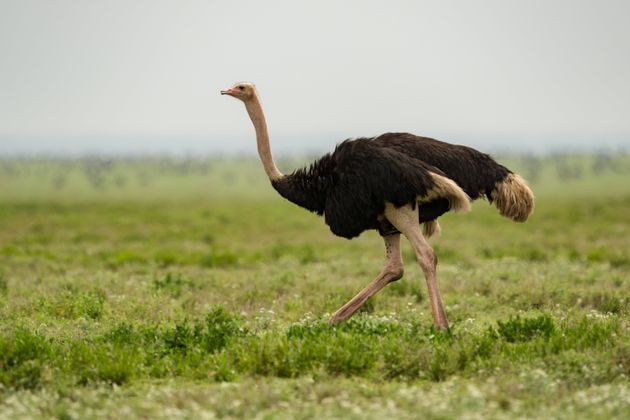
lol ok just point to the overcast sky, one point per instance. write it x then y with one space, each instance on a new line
144 76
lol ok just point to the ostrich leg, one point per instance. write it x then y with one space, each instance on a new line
392 271
405 219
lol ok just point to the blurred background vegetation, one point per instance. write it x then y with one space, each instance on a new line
180 178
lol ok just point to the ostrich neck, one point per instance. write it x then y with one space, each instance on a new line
255 111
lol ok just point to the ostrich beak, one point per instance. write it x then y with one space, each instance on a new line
227 91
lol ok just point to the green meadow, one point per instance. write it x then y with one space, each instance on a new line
180 287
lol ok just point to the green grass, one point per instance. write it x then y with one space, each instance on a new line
163 287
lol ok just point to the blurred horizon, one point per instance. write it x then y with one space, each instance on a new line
305 146
143 77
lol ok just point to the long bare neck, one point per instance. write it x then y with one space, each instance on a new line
255 111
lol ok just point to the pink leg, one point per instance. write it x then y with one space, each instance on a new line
405 219
392 271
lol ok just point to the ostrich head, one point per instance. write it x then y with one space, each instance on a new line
243 91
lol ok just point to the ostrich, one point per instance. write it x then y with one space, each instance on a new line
392 183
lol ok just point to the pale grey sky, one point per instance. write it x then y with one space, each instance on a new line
144 76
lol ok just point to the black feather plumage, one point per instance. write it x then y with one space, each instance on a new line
351 185
475 172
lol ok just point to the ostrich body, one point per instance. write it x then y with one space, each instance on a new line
391 183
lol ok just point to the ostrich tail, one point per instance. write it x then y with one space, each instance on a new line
447 188
513 198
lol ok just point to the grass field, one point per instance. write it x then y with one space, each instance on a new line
180 287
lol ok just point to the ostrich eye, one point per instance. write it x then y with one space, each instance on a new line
241 87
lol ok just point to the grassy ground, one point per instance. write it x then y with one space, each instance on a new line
161 288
